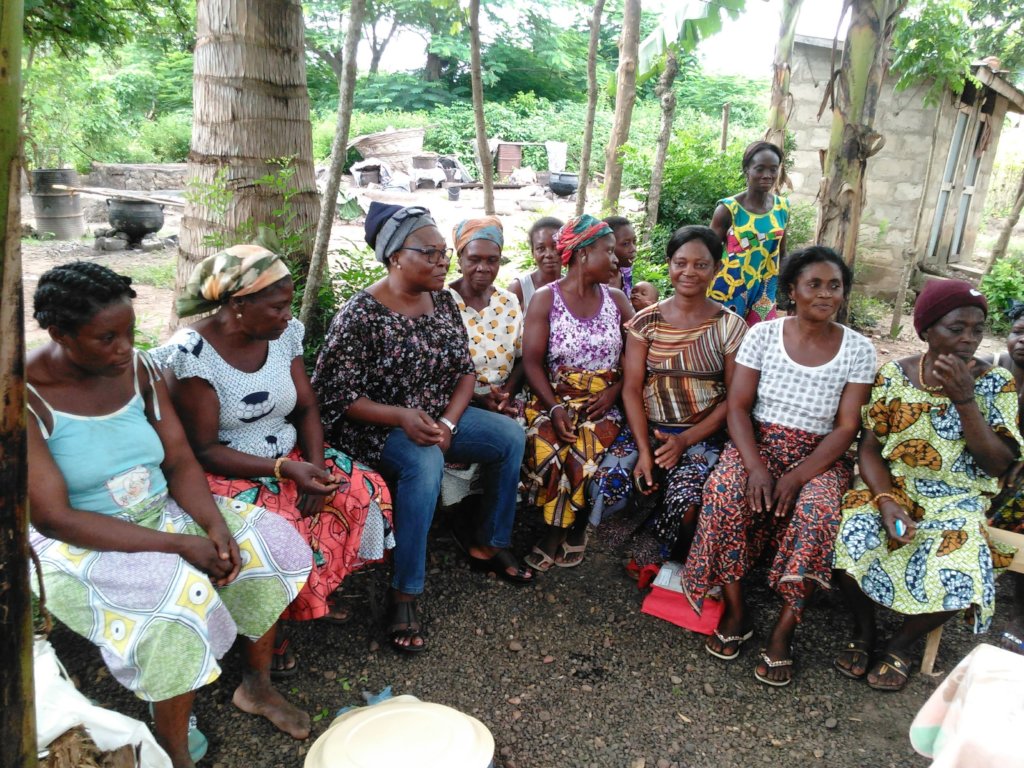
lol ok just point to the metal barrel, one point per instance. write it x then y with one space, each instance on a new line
57 211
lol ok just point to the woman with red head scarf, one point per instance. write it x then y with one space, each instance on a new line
572 348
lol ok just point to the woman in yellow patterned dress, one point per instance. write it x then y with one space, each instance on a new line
752 225
494 326
938 432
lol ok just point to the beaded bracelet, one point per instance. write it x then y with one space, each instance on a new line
277 466
885 495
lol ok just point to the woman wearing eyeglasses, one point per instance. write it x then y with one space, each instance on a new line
394 380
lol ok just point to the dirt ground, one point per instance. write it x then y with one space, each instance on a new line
566 673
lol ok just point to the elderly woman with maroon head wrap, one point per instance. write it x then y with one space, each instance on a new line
939 430
572 348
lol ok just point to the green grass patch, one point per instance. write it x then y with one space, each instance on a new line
157 275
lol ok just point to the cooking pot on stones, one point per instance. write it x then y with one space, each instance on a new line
136 218
564 184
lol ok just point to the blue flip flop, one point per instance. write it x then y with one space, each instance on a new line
198 744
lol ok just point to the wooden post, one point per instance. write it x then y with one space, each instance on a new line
725 126
588 126
17 708
931 650
476 82
339 152
909 259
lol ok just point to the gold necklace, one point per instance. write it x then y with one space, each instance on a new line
920 376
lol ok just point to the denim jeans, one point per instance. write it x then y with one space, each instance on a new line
413 473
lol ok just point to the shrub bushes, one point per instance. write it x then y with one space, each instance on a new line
1001 286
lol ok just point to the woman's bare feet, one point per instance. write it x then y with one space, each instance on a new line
259 697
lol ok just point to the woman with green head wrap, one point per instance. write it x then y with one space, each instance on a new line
249 411
572 345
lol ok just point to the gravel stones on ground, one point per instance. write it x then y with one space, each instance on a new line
620 686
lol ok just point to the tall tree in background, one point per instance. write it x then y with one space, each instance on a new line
17 710
339 151
482 150
680 29
625 98
666 93
588 125
855 88
250 108
781 105
1006 230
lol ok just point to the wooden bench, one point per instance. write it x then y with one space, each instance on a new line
931 644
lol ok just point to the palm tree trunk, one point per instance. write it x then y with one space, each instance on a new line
782 100
666 93
855 90
339 151
625 97
17 710
588 127
482 150
250 107
1003 241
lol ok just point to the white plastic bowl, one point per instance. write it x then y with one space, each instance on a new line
403 731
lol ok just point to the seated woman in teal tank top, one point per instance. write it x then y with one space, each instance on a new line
136 555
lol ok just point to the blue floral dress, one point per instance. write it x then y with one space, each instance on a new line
950 564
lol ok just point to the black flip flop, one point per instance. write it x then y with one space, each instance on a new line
857 649
281 652
498 563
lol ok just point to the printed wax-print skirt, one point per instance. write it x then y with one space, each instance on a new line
1009 507
950 564
612 485
731 536
160 624
352 529
556 474
652 533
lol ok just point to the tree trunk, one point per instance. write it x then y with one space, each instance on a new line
17 708
855 89
377 46
250 107
782 100
482 150
1003 241
588 128
666 93
375 56
339 152
625 97
433 69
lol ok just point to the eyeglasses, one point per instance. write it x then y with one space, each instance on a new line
434 256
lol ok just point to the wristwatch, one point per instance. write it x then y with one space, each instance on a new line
451 425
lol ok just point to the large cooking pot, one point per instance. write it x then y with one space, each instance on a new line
136 218
564 184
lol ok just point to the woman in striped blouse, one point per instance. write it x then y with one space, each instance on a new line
679 359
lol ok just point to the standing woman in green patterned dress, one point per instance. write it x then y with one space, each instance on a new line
752 225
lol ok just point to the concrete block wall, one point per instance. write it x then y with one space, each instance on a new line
895 176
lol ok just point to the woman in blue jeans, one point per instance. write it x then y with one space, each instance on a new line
394 380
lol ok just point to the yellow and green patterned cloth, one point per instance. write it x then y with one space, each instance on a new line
749 278
950 564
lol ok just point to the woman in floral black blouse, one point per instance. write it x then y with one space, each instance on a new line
394 381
